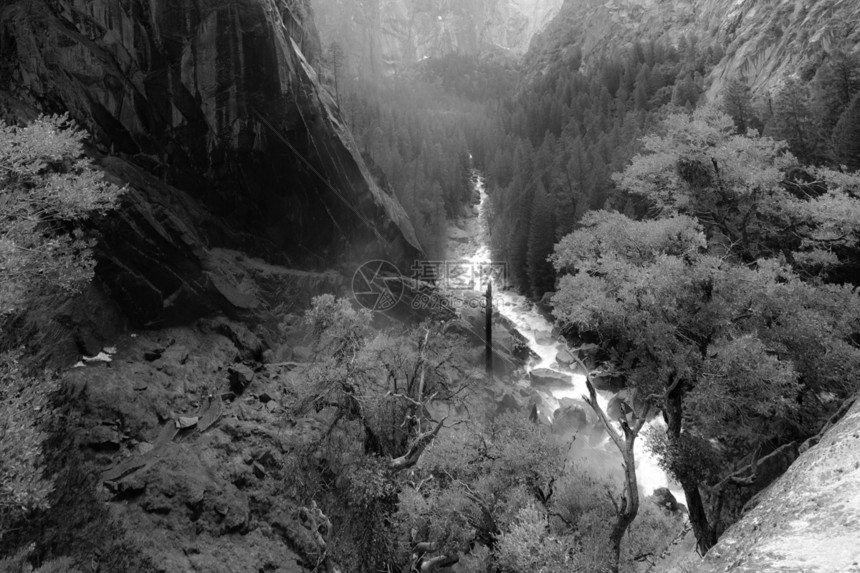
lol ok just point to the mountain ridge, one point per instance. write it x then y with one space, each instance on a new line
763 41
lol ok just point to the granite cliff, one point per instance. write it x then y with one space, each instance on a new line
212 114
386 36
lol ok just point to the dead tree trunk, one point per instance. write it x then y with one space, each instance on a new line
488 349
410 458
628 506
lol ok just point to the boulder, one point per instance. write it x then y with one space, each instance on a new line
569 419
241 377
608 383
543 338
664 499
249 345
508 403
459 235
564 357
302 353
102 438
544 377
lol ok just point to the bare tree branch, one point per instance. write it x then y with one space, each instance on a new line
410 458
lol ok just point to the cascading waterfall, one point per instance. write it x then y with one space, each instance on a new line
472 244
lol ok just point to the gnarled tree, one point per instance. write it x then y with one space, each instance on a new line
741 359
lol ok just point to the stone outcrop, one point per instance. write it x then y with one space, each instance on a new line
212 114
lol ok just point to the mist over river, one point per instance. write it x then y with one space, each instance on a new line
468 240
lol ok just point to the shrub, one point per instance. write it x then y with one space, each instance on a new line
22 400
47 190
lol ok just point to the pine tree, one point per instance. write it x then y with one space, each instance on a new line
541 241
737 102
335 56
846 137
642 92
793 121
685 94
836 84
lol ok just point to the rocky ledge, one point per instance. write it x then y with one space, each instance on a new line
807 520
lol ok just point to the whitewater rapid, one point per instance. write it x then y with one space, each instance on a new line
469 241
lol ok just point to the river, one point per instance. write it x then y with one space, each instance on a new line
468 240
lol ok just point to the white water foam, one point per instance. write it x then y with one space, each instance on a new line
538 332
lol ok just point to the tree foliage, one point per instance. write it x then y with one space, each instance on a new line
22 398
751 197
740 356
504 487
47 189
846 137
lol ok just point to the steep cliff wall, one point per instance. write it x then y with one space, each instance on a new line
211 111
764 40
386 36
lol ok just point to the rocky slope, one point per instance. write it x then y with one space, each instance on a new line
212 113
763 40
807 520
386 36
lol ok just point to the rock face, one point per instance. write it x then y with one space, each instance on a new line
807 520
764 40
389 35
212 113
767 41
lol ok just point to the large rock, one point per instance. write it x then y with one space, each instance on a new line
546 378
214 117
508 403
570 418
564 357
664 499
809 519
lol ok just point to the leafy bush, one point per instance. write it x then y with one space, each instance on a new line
47 189
529 545
22 400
